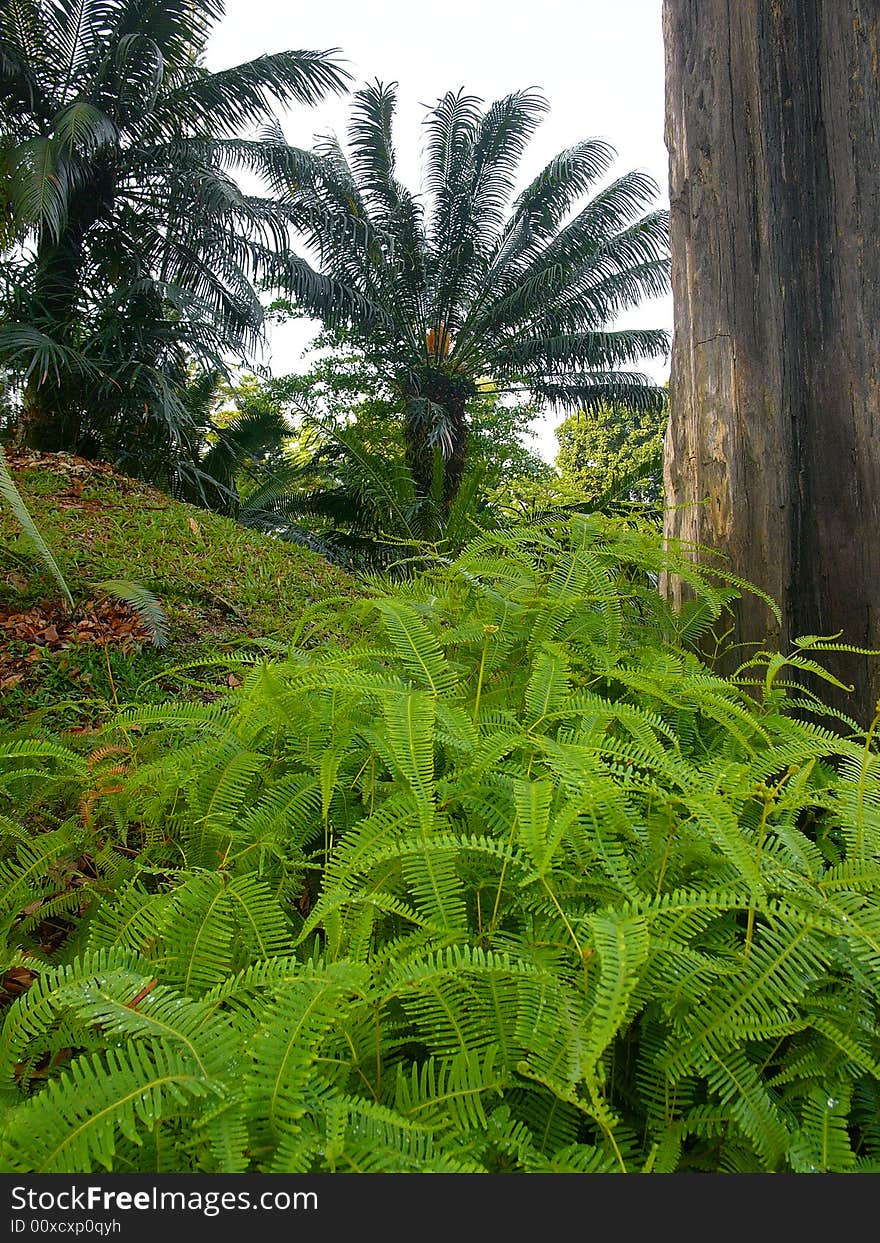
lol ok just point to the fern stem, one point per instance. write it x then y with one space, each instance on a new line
494 918
600 1114
769 798
571 931
664 861
863 780
374 1092
487 632
110 678
355 778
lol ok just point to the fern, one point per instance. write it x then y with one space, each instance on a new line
104 1098
514 881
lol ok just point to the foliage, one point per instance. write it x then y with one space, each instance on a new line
143 602
130 246
234 450
342 485
344 386
458 285
513 883
614 451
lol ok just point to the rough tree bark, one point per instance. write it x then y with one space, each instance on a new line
773 130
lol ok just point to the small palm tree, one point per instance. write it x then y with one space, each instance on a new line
132 245
233 461
459 284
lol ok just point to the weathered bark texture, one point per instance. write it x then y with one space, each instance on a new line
773 130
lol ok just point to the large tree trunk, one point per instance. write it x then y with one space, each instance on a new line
773 129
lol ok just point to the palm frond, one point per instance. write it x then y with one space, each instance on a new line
144 603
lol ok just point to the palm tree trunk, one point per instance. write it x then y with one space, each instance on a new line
438 404
43 423
455 463
773 449
50 421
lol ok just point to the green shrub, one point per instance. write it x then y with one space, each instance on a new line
517 883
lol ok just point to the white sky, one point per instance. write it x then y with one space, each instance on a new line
599 63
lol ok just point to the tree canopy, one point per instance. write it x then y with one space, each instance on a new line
612 451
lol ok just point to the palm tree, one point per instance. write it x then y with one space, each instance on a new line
234 461
459 283
134 250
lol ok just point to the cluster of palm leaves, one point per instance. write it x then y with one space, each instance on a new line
512 881
132 250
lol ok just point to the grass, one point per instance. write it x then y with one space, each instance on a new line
220 584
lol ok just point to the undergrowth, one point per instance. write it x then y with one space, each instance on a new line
512 881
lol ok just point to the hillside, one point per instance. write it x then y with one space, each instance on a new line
220 585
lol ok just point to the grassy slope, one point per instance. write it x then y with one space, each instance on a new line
220 584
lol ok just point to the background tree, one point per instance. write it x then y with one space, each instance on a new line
133 247
773 454
457 285
611 451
